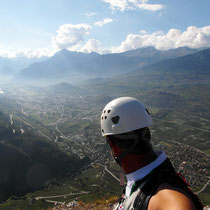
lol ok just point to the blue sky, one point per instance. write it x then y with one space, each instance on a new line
43 27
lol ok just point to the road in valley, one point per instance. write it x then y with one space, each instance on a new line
61 196
204 187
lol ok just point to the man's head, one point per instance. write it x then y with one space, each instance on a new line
124 123
123 115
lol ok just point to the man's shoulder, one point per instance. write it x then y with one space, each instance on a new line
168 197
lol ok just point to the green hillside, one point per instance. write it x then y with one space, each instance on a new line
28 161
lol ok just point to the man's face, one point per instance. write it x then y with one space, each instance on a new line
116 150
122 155
122 142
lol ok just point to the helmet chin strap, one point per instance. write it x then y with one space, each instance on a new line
119 158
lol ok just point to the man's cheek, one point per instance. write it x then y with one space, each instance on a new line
116 150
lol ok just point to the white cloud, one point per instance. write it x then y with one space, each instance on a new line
27 53
142 4
143 32
92 45
152 7
35 53
7 54
117 4
105 21
69 35
91 14
193 37
133 5
73 37
4 52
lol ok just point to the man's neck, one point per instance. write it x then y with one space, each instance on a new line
133 162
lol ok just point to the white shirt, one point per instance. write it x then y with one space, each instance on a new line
142 172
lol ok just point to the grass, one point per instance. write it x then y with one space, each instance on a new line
24 205
99 204
71 126
205 198
207 151
166 144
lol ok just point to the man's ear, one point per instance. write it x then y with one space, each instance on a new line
146 135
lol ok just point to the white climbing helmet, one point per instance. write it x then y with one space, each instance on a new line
123 115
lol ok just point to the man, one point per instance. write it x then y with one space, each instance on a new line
151 179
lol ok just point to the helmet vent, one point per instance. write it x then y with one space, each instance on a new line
102 130
109 111
115 119
105 117
102 118
104 111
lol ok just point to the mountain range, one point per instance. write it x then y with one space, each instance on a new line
191 69
73 67
11 66
199 61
